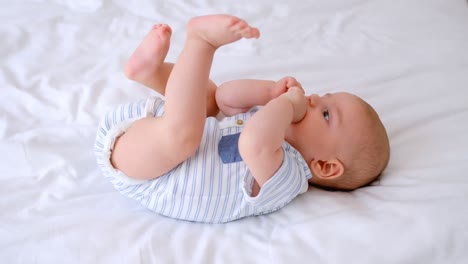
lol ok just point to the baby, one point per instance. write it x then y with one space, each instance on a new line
177 159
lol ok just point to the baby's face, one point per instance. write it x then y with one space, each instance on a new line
330 127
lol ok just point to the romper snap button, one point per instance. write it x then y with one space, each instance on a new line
240 122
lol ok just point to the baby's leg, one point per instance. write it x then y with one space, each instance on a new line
154 145
147 66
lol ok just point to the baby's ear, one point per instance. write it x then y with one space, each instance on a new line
327 169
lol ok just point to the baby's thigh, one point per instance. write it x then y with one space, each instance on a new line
130 139
148 149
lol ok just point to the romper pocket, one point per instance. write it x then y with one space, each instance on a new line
228 148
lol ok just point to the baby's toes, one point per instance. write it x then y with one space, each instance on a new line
250 32
239 25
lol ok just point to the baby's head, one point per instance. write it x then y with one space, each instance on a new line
343 141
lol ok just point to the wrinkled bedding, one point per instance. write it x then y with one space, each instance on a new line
62 68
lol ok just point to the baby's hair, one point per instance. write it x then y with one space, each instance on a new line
368 159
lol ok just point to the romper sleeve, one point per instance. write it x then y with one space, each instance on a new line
290 180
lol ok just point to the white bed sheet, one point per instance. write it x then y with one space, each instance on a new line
61 69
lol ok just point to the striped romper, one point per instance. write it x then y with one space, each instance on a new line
214 185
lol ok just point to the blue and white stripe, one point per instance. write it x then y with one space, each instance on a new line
203 188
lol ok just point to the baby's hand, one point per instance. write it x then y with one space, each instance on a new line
283 85
299 102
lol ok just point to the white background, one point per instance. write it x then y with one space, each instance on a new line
61 68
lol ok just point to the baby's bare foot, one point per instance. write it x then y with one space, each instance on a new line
150 54
218 30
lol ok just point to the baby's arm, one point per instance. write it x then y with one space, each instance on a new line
261 140
238 96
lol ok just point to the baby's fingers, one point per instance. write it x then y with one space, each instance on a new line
296 89
292 82
299 102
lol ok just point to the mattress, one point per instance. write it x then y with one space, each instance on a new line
62 68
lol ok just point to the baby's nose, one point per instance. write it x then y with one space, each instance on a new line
314 100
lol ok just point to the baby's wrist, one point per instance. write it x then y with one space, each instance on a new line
289 102
287 97
277 90
292 98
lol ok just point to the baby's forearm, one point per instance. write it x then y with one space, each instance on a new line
268 126
261 140
238 96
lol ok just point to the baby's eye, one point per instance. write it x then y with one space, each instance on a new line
326 115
